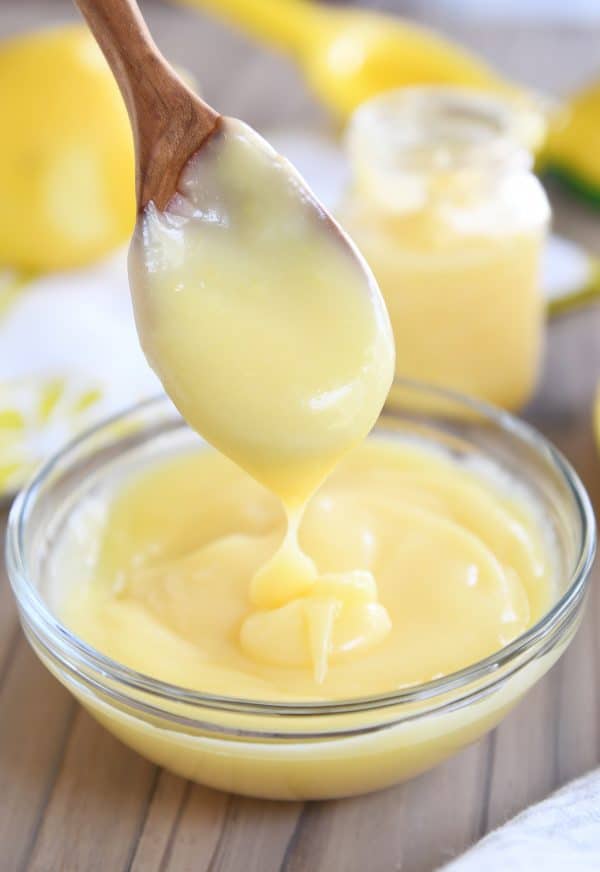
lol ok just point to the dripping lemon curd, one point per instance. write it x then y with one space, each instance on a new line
288 558
419 566
255 578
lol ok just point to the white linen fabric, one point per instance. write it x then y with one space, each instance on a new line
560 834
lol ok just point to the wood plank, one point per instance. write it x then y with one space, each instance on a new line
9 624
578 699
190 828
433 797
189 825
524 759
36 714
255 835
94 811
342 834
164 803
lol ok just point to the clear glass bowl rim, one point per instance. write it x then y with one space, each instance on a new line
76 651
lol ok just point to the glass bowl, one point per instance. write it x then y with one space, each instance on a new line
303 750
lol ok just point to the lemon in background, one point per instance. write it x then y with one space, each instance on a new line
574 142
66 152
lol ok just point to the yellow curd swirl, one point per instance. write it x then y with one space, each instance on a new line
461 562
269 333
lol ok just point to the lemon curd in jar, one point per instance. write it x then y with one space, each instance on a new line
445 208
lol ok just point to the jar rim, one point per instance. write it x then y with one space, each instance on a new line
440 128
75 653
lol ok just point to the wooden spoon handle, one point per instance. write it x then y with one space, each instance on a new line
169 121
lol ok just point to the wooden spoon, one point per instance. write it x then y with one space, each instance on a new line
170 123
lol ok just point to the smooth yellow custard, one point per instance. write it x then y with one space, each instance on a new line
262 321
459 557
270 335
235 578
293 561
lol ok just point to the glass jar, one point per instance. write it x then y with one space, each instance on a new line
445 208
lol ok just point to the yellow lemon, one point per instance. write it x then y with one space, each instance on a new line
356 55
66 152
574 142
351 55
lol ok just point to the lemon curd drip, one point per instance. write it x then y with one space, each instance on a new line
271 337
461 561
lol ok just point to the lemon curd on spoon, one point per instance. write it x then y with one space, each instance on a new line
271 337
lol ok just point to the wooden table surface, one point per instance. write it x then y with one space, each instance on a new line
73 798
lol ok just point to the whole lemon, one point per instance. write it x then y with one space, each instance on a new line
66 152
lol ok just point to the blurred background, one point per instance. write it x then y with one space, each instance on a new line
296 71
547 44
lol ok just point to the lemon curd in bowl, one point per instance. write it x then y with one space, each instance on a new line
465 541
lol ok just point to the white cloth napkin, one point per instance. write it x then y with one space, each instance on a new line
560 834
69 356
